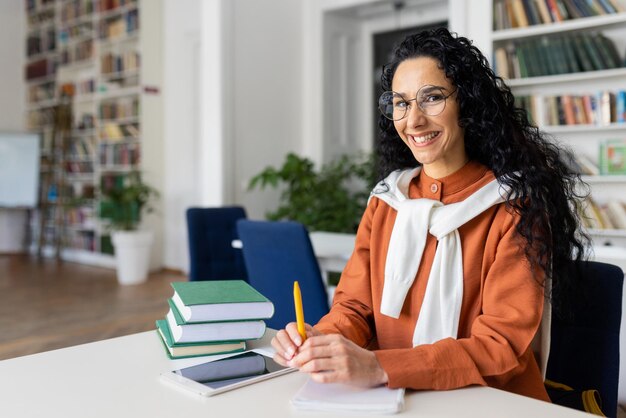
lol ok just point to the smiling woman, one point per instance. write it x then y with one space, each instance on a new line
471 219
431 129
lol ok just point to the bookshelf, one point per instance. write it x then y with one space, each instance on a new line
527 35
93 49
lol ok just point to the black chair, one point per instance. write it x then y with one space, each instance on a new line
276 254
211 232
584 348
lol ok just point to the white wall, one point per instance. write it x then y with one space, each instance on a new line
12 87
181 124
224 60
266 88
12 107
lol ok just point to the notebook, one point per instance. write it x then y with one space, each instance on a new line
336 397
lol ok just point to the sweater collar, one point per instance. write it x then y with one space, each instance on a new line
438 189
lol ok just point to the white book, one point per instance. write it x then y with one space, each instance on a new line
214 331
336 397
617 214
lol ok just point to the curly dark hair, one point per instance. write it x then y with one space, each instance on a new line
499 135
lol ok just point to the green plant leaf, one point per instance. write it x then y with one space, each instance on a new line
331 199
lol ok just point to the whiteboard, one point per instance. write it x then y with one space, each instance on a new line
19 169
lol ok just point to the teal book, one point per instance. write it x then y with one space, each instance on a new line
185 332
177 350
220 300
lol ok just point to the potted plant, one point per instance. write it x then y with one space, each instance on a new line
331 199
124 199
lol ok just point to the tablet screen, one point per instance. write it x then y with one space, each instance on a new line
231 370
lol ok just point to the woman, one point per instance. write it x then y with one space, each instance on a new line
445 287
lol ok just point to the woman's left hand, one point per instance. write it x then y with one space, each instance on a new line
335 359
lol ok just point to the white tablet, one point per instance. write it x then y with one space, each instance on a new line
228 373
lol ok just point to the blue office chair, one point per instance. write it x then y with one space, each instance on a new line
276 254
584 348
211 232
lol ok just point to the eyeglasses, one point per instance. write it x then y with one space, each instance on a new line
430 99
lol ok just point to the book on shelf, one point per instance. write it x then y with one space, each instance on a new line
111 130
613 157
220 300
521 13
611 215
542 7
616 213
337 397
183 350
591 216
601 108
620 106
552 55
580 164
554 11
531 12
183 332
588 167
521 19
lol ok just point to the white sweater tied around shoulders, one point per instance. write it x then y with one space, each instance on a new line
441 308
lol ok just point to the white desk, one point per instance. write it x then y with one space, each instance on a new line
86 382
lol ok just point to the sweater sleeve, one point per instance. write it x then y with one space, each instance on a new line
351 312
498 345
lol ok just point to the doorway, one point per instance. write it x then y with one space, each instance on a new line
356 42
383 45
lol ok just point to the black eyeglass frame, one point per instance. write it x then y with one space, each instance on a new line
406 111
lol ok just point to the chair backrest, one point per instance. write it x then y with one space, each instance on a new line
276 254
584 348
211 232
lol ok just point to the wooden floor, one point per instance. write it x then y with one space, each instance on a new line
45 305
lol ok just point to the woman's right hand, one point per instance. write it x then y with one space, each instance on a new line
287 341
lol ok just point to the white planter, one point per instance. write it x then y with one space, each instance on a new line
132 252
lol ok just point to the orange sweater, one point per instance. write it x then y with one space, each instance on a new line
502 302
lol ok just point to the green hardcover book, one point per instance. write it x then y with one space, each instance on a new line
184 332
573 64
220 300
176 350
605 55
548 58
610 49
556 48
582 54
521 60
592 51
533 61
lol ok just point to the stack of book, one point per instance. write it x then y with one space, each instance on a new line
213 317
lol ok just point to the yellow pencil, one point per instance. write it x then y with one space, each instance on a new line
297 301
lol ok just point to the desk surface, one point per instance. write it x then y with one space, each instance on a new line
120 378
